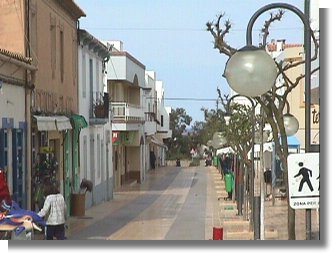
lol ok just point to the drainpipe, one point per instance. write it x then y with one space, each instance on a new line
27 115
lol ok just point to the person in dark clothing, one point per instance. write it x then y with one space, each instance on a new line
225 163
152 160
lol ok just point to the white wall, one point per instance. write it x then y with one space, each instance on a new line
94 142
12 103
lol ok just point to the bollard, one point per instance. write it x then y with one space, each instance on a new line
217 233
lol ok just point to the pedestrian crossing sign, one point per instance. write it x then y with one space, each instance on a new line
304 180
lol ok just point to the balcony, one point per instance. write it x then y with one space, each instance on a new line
151 122
127 113
99 110
125 67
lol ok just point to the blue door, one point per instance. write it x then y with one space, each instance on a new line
3 148
18 168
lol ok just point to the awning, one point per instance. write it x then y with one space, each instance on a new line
157 141
78 121
292 141
52 123
45 123
224 150
63 123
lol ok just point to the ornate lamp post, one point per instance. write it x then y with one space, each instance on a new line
250 72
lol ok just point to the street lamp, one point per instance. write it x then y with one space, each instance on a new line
291 124
251 71
252 174
246 67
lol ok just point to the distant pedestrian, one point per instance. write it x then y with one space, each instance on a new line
152 159
54 210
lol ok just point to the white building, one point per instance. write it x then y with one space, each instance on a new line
157 119
126 85
163 129
96 157
140 120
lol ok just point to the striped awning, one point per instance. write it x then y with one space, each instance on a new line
52 123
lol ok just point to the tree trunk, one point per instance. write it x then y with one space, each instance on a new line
290 211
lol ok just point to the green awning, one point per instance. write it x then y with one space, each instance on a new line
78 121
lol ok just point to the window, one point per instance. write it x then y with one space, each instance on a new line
92 157
97 78
83 74
61 60
85 157
33 36
115 161
98 154
162 120
53 44
91 85
91 74
3 148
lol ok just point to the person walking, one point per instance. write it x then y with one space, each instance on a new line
152 159
54 210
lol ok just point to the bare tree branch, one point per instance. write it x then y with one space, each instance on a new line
219 35
273 18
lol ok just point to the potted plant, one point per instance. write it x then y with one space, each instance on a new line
99 109
78 199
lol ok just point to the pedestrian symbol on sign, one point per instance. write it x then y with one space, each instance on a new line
303 180
305 172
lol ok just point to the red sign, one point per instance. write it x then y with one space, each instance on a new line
115 137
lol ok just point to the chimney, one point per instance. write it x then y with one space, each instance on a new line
280 45
117 45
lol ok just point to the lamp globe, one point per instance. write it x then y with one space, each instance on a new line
251 71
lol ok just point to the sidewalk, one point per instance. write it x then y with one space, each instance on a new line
275 219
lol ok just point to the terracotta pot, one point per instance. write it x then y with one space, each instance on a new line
99 111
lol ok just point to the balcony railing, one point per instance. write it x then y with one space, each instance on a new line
99 111
124 112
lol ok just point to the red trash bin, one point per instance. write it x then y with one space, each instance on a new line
217 233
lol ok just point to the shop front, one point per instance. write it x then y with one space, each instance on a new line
127 156
51 157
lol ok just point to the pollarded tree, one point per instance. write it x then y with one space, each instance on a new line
214 122
178 146
275 100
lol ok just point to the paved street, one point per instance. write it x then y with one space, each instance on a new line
177 204
170 205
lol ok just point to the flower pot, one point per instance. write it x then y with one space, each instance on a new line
99 111
78 204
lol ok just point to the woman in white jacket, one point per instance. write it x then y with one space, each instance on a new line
55 209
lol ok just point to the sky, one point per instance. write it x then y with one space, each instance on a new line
170 38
